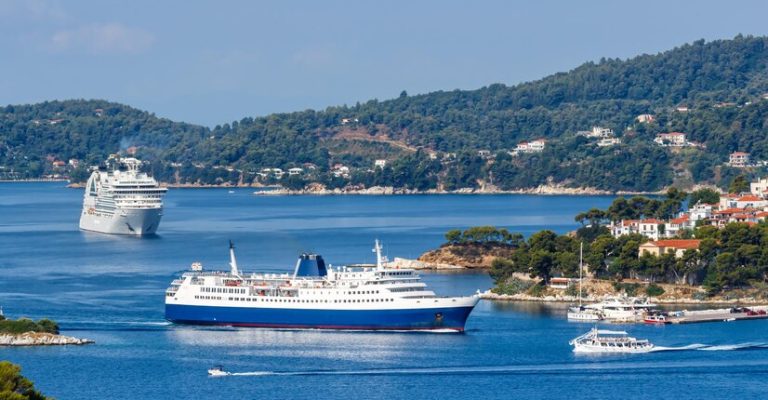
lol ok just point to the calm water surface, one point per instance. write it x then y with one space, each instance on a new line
110 289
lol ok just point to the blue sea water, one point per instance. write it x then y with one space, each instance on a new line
110 289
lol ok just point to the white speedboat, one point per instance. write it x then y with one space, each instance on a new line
217 371
605 341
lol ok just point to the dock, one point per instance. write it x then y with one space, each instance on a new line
718 315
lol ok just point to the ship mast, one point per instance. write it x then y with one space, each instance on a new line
377 250
233 260
581 268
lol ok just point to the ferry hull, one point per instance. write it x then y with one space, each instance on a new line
427 319
136 222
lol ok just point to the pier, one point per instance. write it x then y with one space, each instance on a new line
718 315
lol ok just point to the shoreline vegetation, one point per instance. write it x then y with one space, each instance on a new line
25 332
320 190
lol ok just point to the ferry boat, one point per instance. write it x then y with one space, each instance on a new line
119 199
605 341
315 296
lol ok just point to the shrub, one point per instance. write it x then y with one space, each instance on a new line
654 290
537 290
512 286
572 290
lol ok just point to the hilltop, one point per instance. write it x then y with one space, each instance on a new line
505 137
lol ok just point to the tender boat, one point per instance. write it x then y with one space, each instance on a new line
656 319
605 341
217 371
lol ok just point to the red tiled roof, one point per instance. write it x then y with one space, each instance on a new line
749 198
730 211
677 243
739 153
679 220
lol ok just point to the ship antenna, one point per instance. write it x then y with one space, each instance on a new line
233 260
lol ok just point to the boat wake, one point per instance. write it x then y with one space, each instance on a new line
706 347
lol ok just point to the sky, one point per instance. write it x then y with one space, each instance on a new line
213 62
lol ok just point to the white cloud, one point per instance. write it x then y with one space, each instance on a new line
112 38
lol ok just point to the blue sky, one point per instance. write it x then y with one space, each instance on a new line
211 62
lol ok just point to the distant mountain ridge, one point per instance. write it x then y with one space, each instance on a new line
433 140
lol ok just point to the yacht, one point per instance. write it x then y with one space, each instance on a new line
120 199
605 341
622 309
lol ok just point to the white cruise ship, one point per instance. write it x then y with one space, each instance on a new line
315 297
119 199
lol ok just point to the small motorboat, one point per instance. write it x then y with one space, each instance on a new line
605 341
656 319
218 371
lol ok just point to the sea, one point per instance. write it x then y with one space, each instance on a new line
111 289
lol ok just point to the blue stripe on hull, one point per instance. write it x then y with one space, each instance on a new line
452 318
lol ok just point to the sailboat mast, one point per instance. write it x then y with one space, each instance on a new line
581 267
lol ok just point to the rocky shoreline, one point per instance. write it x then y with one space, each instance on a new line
40 339
389 190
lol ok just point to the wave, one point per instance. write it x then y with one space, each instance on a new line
721 347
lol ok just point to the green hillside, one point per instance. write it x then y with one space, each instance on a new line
432 140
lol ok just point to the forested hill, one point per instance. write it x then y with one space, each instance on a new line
715 92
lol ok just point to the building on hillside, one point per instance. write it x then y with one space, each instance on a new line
484 154
682 108
625 227
672 139
345 121
645 118
674 246
701 211
676 225
534 146
759 188
751 201
651 228
608 142
295 171
380 164
739 159
597 132
559 282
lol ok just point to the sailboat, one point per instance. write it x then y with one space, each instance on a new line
580 312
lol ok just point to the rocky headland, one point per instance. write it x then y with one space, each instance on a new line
39 339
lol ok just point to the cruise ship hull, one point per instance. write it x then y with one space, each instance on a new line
425 319
124 222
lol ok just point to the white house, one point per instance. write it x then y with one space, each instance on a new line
700 211
674 139
651 228
759 188
295 171
380 164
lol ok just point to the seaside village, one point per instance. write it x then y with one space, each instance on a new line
749 208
